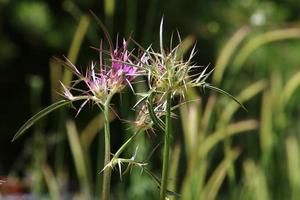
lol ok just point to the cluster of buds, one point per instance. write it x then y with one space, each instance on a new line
167 73
144 121
170 73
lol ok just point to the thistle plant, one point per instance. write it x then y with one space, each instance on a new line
169 75
102 85
102 82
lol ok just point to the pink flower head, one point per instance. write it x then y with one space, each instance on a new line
107 78
121 62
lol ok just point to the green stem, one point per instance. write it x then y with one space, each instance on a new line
164 178
100 163
124 146
107 171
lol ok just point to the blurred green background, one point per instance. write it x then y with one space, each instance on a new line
219 151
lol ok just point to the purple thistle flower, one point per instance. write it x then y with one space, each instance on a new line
109 78
121 63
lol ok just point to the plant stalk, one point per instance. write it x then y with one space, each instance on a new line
107 170
125 145
164 178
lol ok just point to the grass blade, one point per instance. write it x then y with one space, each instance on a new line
262 39
174 168
256 181
227 52
293 164
79 159
290 87
230 130
51 183
266 128
75 46
248 93
215 181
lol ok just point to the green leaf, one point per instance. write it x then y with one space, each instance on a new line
157 182
225 93
39 116
152 114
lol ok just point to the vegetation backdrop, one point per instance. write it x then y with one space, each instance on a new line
219 151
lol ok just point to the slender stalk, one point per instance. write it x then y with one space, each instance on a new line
107 171
124 146
100 163
164 178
